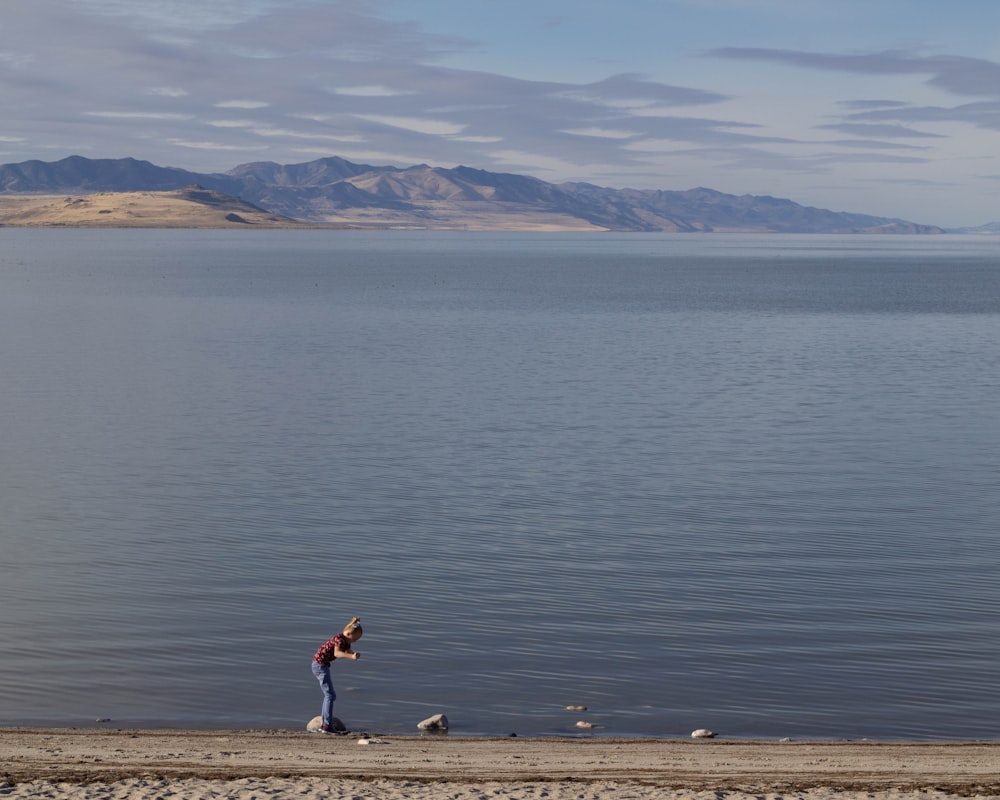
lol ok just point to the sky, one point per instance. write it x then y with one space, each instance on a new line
884 107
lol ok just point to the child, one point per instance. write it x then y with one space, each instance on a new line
337 647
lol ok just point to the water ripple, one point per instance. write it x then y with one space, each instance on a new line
735 488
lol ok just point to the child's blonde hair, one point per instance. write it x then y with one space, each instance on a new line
354 626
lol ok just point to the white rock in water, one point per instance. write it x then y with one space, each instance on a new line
316 723
576 708
702 733
439 722
584 724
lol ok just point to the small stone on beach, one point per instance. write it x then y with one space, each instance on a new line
315 725
702 733
439 722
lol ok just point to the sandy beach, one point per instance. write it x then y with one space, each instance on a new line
102 763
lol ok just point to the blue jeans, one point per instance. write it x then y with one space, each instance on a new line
322 674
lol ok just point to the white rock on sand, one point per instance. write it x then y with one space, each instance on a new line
439 722
316 723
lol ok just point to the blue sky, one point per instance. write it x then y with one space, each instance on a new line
887 107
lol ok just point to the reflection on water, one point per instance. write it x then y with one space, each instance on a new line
746 483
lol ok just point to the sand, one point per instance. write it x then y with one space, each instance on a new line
92 764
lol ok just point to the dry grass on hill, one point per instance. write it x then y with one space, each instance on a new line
193 207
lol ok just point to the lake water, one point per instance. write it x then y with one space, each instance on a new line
748 483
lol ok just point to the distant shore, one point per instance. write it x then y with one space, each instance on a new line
196 208
183 208
91 763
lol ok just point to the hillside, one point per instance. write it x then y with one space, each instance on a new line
191 207
335 191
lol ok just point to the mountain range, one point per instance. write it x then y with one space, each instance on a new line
334 191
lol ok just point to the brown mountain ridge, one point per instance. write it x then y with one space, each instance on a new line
337 192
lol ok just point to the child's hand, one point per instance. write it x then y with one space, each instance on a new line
356 656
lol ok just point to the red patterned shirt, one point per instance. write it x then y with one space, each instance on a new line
325 654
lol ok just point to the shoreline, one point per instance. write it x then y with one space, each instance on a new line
222 762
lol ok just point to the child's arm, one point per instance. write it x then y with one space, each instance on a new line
348 653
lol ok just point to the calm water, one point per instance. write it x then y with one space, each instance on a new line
744 483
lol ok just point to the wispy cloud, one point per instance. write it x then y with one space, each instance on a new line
602 133
245 104
370 91
160 116
981 115
433 127
167 91
956 74
881 131
215 146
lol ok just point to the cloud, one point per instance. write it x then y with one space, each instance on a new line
603 133
16 60
293 134
981 115
328 72
231 123
195 15
160 116
224 146
700 130
245 104
433 127
519 160
889 119
875 144
631 90
341 30
166 91
873 103
954 74
884 131
477 139
370 91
